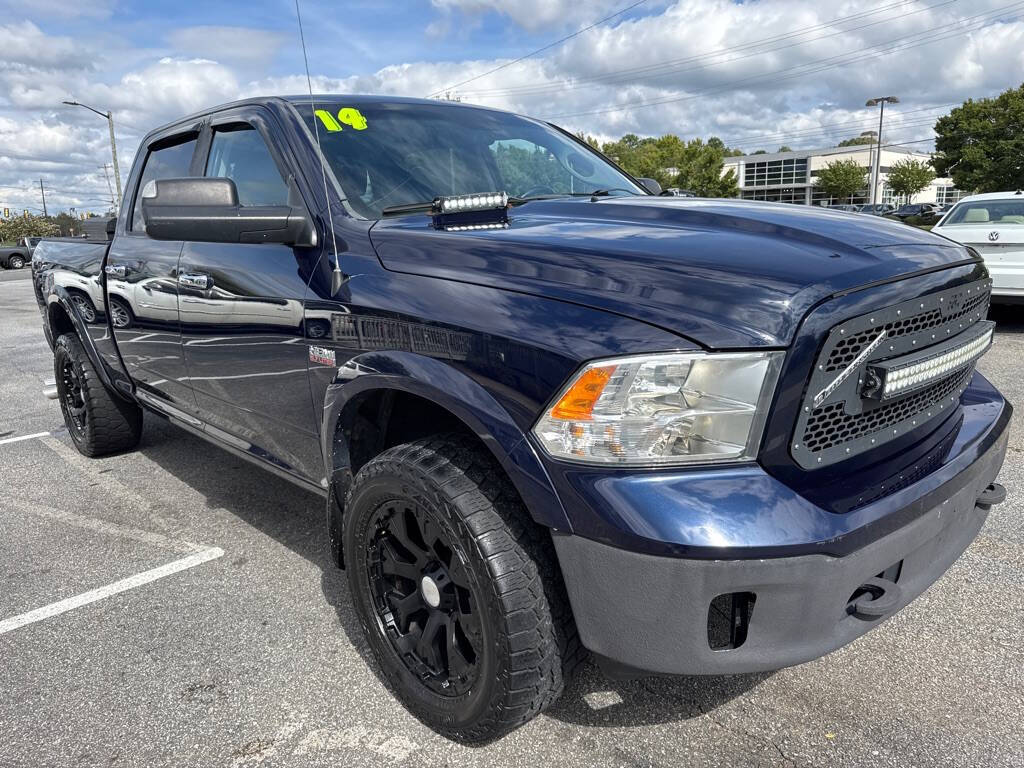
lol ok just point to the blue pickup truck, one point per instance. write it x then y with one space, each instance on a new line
550 411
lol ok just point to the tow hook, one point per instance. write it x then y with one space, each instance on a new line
994 494
877 598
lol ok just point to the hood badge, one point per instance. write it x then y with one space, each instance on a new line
837 382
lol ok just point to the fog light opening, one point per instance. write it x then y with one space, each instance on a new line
729 620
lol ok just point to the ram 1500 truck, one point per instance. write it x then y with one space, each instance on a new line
549 410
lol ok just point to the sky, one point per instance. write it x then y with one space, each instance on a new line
759 74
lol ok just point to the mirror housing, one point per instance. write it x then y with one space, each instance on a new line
203 209
651 185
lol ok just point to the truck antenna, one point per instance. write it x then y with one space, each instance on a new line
337 277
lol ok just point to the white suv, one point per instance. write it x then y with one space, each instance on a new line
992 224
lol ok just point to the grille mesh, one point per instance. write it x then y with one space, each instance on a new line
830 425
846 350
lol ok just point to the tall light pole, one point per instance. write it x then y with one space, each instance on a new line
113 144
881 101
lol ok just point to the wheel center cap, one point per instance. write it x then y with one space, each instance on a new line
431 594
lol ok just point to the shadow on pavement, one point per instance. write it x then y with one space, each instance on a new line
295 518
1009 318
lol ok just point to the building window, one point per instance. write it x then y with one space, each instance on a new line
947 195
784 195
820 197
774 173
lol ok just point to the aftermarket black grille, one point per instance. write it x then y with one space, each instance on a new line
846 350
837 421
830 425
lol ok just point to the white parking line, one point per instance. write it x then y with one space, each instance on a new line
101 593
23 437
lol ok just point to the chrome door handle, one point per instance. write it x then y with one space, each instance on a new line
193 280
116 270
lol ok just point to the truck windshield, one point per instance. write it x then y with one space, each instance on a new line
388 154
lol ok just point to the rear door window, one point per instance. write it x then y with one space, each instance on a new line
240 154
168 162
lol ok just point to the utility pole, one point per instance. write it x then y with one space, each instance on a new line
43 193
113 143
111 191
880 101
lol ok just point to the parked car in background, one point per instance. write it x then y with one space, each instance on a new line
17 256
915 209
877 209
677 192
848 208
993 225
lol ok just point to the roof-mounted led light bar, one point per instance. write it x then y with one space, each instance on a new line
893 379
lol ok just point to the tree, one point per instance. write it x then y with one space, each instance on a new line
980 145
868 137
588 139
785 148
908 177
700 170
842 178
17 227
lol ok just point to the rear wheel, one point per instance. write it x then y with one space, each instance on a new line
98 421
16 262
457 589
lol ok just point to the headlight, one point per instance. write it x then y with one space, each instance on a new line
675 408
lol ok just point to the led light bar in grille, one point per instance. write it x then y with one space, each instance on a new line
907 378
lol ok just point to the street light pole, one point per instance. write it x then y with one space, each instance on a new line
881 101
113 143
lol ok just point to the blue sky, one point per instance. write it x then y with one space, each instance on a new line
758 74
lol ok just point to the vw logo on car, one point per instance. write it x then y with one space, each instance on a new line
993 236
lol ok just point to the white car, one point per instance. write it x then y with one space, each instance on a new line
992 224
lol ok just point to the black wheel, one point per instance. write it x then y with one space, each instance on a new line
84 306
457 589
317 329
16 262
120 313
98 421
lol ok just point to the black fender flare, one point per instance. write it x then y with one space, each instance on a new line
58 295
456 392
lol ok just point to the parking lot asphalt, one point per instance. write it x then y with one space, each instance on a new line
214 630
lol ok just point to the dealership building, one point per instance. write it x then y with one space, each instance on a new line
789 177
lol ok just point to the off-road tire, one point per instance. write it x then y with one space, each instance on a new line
530 646
98 421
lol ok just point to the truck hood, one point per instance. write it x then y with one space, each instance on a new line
724 274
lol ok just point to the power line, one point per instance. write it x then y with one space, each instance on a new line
821 64
539 50
672 66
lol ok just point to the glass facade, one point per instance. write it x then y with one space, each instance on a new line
783 195
772 173
949 194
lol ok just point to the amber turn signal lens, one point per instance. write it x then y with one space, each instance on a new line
578 403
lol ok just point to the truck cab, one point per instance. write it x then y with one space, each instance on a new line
549 413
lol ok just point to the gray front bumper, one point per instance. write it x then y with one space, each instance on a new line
650 613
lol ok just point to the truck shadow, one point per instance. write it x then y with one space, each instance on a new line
295 518
1009 318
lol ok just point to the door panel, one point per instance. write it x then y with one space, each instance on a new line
241 319
142 290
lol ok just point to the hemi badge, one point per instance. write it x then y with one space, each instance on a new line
321 356
837 382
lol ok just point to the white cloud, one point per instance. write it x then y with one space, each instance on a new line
536 14
245 46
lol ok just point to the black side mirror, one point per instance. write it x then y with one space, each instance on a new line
651 185
207 210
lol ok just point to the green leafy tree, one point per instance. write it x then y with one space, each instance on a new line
588 139
785 148
17 227
868 137
700 170
908 177
980 145
842 178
